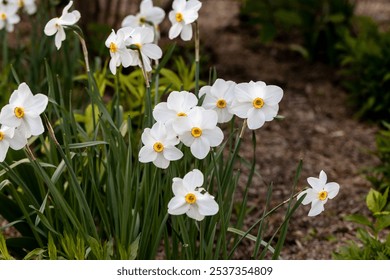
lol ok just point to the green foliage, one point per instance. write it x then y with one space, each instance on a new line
365 57
379 176
319 24
374 245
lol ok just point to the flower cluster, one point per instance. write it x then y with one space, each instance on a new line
9 12
20 119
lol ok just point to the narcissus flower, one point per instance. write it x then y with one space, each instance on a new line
183 15
142 38
159 146
219 98
119 53
256 102
56 25
319 194
190 198
178 105
8 16
29 6
10 137
199 131
148 15
23 111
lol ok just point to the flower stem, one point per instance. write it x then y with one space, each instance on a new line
85 51
197 44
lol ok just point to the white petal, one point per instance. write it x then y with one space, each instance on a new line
193 213
178 188
194 5
182 125
270 112
146 138
179 5
186 32
310 196
316 184
193 179
333 189
147 154
256 118
204 90
152 51
112 64
8 118
323 178
51 27
200 147
4 145
224 115
130 21
207 205
36 104
214 136
161 113
178 206
209 119
241 109
60 36
172 153
317 207
273 95
18 140
182 101
21 95
161 161
155 15
35 124
175 30
243 92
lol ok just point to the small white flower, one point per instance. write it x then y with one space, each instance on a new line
142 38
10 137
8 16
190 198
319 194
56 25
29 6
199 131
183 15
118 50
23 111
148 15
159 146
256 102
178 105
219 98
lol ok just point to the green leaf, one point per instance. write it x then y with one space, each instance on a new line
87 144
359 219
36 254
375 201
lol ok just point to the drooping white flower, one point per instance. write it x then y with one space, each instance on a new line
256 102
219 98
189 198
319 193
56 25
10 137
23 111
119 53
183 15
8 16
159 146
178 105
142 38
199 131
148 15
29 6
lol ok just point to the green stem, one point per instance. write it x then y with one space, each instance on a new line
197 44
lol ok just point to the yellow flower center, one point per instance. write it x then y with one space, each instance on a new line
221 103
21 3
3 16
179 17
181 114
196 132
258 102
190 198
1 135
113 47
158 147
142 20
19 112
139 46
322 195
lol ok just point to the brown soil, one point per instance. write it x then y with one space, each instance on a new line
318 128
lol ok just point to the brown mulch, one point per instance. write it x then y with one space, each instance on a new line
318 128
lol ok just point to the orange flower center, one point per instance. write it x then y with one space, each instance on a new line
221 103
196 132
258 102
158 147
179 17
19 112
322 195
1 135
190 198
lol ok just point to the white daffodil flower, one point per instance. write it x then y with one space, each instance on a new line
189 198
183 15
319 194
199 131
10 137
178 105
148 15
119 53
159 146
8 16
219 98
29 6
23 111
142 38
56 25
256 102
